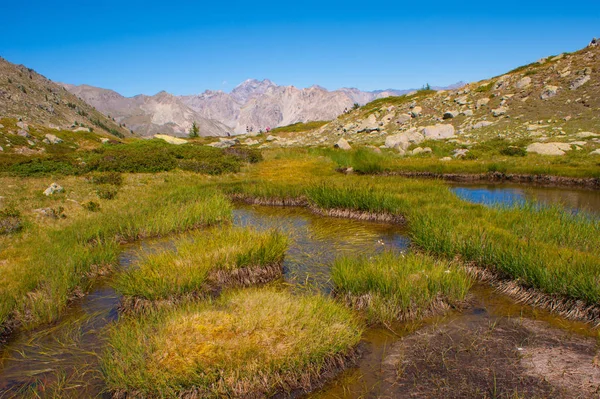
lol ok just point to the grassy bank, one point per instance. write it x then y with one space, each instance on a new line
397 286
547 249
249 343
483 159
206 260
54 259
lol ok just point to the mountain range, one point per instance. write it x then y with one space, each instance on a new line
253 105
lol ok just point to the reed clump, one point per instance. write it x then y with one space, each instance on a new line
248 343
399 286
205 261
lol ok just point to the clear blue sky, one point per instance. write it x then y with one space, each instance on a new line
186 47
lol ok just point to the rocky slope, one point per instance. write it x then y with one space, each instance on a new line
548 107
32 99
252 106
148 115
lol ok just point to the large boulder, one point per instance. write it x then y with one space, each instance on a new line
438 132
523 83
549 148
403 119
343 144
482 102
416 112
402 141
450 114
577 83
549 92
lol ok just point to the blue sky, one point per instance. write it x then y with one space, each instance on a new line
186 47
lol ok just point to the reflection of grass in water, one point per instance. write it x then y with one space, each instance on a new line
56 360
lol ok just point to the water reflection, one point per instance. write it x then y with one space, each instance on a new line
577 200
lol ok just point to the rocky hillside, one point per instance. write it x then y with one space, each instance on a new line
551 107
258 105
148 115
32 99
252 106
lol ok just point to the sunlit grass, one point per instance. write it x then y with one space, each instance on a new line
397 286
46 266
204 260
249 343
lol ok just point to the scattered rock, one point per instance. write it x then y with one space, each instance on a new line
523 83
549 92
104 140
250 141
482 124
549 148
416 112
462 100
467 112
403 119
594 42
446 159
52 139
170 139
499 111
420 150
595 152
23 133
53 126
271 138
482 102
81 129
1 149
224 143
460 153
577 83
450 114
441 131
402 141
53 189
585 135
587 71
23 125
343 144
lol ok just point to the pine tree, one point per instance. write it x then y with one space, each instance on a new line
194 130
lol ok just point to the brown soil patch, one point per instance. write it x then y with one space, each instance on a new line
483 357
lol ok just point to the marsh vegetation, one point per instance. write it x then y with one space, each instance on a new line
208 328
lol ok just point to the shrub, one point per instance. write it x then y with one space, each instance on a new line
513 151
10 221
107 192
91 206
114 178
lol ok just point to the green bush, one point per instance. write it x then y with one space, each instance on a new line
114 178
513 151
